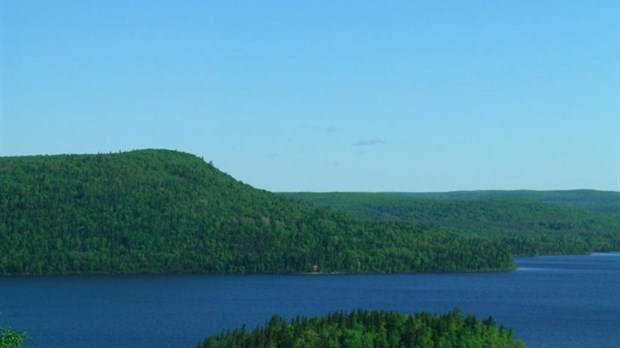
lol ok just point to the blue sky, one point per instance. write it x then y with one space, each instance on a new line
325 95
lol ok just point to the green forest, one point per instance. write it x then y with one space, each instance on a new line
526 227
601 201
371 329
11 339
160 211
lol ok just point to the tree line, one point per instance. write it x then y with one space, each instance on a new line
371 329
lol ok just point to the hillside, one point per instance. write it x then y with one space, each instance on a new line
525 227
600 201
158 211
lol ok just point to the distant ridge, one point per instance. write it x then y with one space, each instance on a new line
601 201
524 226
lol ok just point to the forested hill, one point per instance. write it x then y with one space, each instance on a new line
158 211
525 227
601 201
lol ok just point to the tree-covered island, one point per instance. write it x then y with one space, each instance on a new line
371 329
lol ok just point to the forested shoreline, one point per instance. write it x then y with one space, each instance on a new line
161 212
371 329
525 227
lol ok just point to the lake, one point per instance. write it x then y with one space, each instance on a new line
551 301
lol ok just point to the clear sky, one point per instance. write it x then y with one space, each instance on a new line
325 95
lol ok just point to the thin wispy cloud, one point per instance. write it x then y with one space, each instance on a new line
330 128
369 142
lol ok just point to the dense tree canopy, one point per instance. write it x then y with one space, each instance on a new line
372 329
593 200
524 227
157 211
11 339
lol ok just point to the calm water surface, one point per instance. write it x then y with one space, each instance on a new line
554 301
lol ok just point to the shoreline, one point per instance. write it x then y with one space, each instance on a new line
119 275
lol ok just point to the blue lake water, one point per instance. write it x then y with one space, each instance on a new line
552 301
